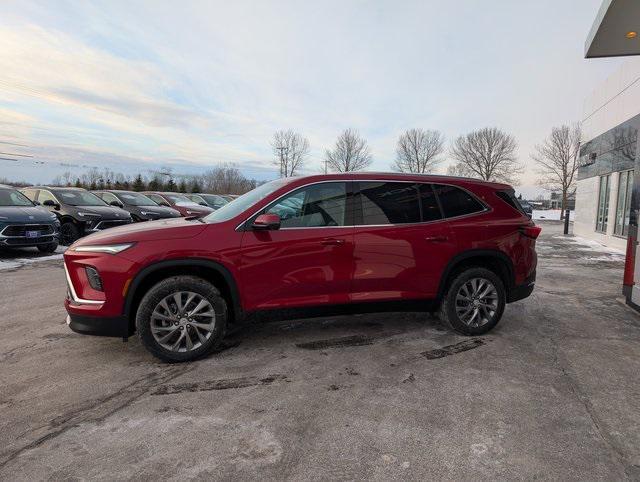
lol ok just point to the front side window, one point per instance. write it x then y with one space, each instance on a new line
157 198
623 206
603 204
108 197
457 202
46 196
319 205
388 203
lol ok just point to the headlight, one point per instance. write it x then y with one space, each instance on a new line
192 212
87 214
147 213
103 248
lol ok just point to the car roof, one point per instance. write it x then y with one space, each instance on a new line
397 176
58 188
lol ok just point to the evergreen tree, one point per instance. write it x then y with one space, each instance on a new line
171 185
78 183
182 187
195 185
138 183
155 184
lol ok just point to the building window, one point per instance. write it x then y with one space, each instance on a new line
625 187
603 204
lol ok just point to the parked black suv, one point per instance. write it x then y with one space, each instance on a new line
212 200
79 211
141 207
23 224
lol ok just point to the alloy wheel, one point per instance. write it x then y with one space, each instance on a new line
476 302
183 321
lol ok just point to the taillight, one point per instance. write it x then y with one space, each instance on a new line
630 261
530 231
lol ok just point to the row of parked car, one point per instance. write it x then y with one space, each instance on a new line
45 216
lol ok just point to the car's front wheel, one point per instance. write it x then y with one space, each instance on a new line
181 318
69 233
474 301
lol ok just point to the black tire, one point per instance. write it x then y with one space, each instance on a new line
69 233
168 287
448 312
48 248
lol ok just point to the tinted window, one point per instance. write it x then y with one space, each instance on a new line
323 204
388 203
457 202
429 203
107 197
155 197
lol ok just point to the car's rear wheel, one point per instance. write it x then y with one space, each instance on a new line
69 233
48 248
474 301
181 318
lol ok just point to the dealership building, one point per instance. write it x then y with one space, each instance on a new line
607 196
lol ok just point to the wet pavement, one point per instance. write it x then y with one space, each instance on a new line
551 393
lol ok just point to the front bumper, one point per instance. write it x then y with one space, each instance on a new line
14 235
99 325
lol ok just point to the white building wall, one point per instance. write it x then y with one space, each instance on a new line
587 212
613 102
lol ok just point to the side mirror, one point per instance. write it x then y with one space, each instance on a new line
265 222
50 203
117 204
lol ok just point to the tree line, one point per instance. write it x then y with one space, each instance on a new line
223 179
488 153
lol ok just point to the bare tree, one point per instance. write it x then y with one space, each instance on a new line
290 149
226 179
351 153
460 170
418 151
489 154
557 158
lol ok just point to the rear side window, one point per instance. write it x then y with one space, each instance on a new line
510 198
388 203
456 201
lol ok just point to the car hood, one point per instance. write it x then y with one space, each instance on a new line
175 228
25 214
107 212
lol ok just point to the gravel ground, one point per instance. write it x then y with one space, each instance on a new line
551 393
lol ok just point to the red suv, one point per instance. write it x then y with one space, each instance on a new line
312 245
181 203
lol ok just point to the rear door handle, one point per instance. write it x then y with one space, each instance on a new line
436 239
332 242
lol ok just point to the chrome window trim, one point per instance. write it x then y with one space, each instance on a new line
484 204
72 292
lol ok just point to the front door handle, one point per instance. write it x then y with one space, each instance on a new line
332 242
436 239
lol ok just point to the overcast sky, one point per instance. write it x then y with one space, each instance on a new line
145 84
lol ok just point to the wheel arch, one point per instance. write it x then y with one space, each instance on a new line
494 260
212 271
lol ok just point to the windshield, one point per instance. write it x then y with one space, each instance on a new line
215 200
244 202
180 200
135 199
79 198
13 198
